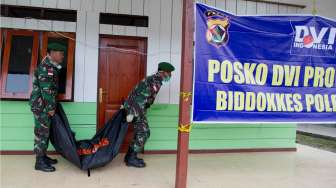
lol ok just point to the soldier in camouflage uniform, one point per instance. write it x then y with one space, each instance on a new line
43 103
136 105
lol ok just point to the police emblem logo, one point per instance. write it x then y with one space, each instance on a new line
217 32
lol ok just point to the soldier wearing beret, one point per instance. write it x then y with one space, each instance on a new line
43 103
136 105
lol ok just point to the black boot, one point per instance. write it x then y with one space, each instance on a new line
43 165
129 153
132 160
50 160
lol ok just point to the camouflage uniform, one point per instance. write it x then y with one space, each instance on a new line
43 101
136 104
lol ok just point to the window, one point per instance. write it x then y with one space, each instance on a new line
121 19
21 56
19 62
38 13
66 73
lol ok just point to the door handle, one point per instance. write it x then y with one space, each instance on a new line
101 93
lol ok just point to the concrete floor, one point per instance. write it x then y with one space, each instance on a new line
306 168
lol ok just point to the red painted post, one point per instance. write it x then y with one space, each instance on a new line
185 94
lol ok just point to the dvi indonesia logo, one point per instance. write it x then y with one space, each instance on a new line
312 41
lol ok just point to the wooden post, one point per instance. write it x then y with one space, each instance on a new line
185 94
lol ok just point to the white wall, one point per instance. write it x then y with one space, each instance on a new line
164 32
25 23
324 8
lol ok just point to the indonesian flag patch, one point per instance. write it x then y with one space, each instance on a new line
50 72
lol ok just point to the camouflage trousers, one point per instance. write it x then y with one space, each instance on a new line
41 131
141 134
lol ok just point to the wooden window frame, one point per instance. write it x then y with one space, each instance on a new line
67 96
4 71
1 37
38 36
2 31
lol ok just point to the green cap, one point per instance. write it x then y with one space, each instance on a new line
165 66
56 47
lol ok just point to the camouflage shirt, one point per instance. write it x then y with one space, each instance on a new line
45 87
143 95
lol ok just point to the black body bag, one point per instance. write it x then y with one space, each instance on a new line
88 154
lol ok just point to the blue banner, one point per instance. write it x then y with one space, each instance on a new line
263 68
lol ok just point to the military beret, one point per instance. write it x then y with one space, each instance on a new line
56 47
165 66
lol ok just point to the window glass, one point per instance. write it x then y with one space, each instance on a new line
19 64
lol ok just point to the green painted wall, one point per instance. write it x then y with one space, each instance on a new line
17 129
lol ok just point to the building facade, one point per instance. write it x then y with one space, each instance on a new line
100 32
